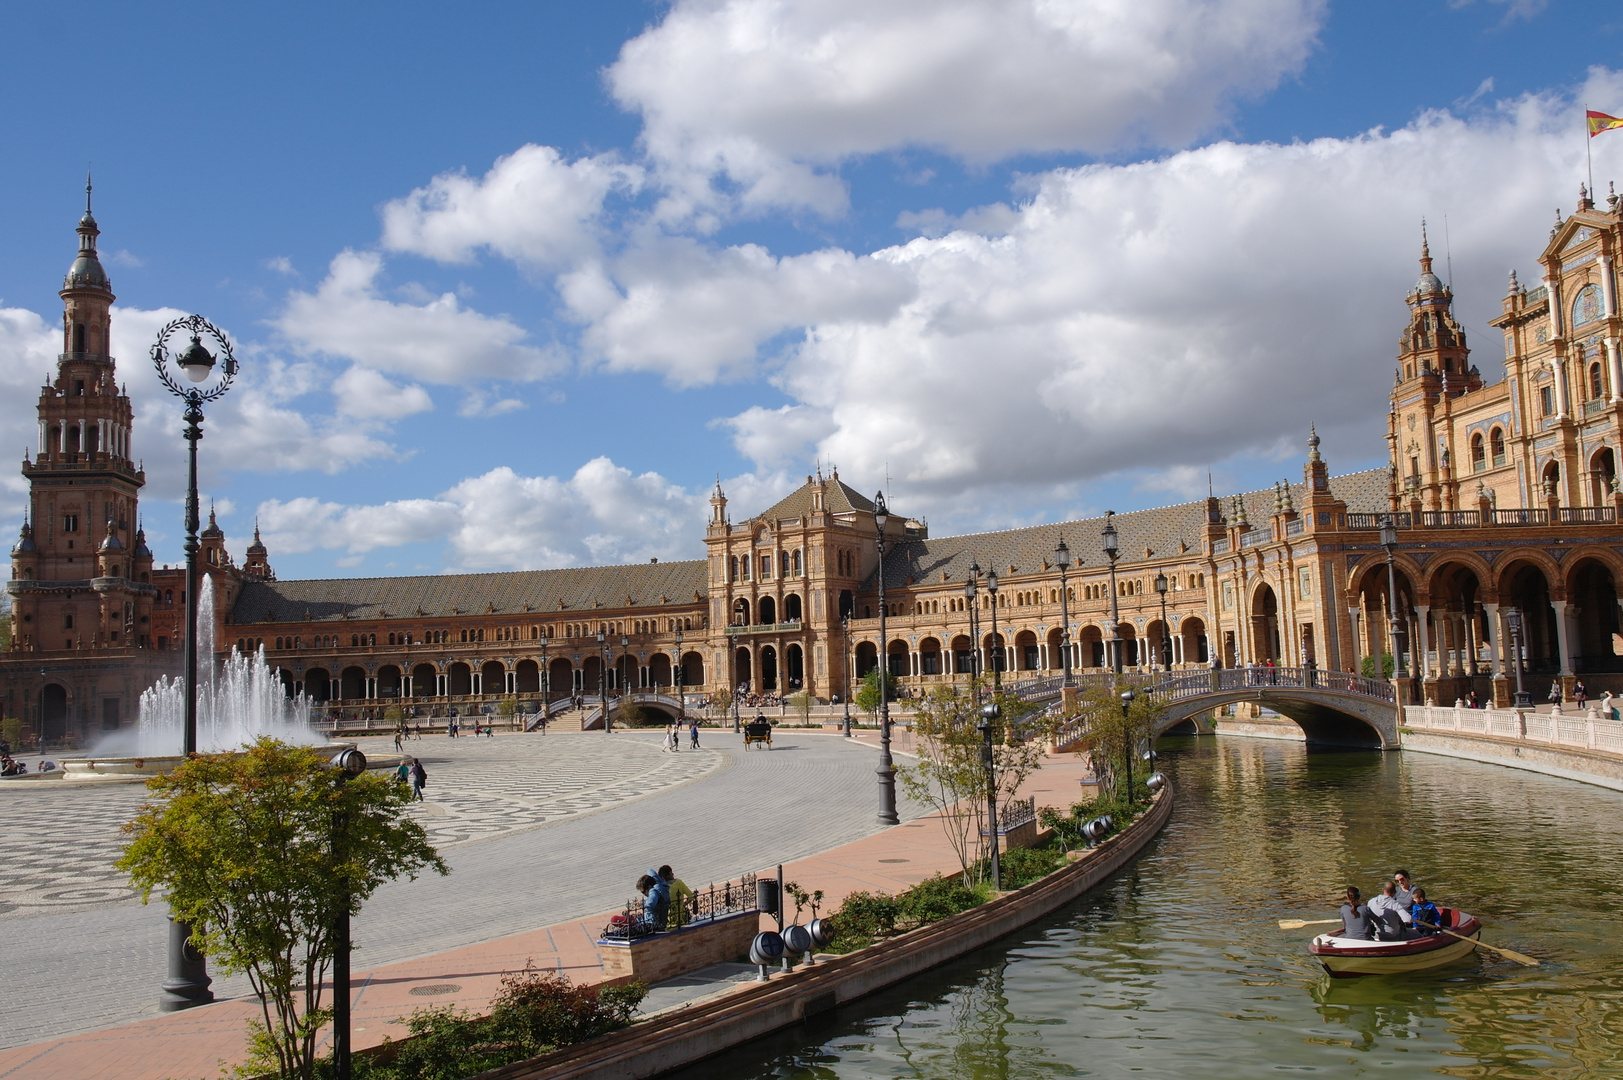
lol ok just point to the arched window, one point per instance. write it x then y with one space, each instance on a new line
732 568
797 565
1479 453
1595 388
1496 444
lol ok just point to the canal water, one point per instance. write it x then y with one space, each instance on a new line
1176 966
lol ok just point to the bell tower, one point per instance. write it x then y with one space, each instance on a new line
83 589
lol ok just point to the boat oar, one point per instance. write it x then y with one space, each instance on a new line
1297 924
1508 954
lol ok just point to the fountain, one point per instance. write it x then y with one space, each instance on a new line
237 702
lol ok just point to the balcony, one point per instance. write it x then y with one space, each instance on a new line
767 628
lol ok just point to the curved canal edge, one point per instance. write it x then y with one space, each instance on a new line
685 1036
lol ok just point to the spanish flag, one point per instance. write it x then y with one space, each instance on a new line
1599 122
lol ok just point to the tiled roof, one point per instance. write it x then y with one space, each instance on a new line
1160 530
581 591
840 498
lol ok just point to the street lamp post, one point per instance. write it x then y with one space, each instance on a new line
997 642
603 678
972 600
1400 635
887 769
350 764
1111 542
625 670
850 668
1513 619
989 715
546 687
1062 559
1166 630
1127 739
41 712
188 981
680 680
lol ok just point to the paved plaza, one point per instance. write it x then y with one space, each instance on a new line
537 829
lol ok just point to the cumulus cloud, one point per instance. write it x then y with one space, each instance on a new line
504 521
437 341
367 395
532 206
767 93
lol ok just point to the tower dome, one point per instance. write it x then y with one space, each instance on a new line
25 541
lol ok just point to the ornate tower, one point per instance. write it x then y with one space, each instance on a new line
1433 368
75 583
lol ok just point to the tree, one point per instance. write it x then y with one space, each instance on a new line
867 698
506 708
394 716
951 771
1111 735
242 844
802 704
721 700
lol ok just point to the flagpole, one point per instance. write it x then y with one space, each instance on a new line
1589 156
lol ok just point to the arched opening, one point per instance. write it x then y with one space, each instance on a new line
1551 478
79 337
791 608
623 674
286 678
1525 587
1129 645
963 655
317 684
1384 628
1593 594
352 684
769 669
741 612
794 669
1090 646
591 675
1479 453
423 681
867 658
560 681
1265 643
1456 636
54 712
527 677
1602 476
930 656
692 668
659 670
996 660
492 677
388 681
459 679
899 663
742 668
1196 650
1027 656
768 610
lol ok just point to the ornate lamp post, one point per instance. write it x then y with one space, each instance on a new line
1062 559
625 668
887 768
188 982
1400 635
680 680
988 725
972 600
850 668
1166 628
997 642
1110 541
350 764
603 679
1513 619
546 688
1127 739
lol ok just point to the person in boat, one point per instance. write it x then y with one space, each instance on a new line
1427 918
1405 893
1356 920
1391 919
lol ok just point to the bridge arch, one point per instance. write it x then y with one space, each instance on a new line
1332 708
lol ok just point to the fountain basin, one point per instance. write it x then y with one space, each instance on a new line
140 768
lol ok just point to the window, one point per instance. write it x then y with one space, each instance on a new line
766 567
798 568
1595 388
70 522
732 568
1479 453
67 621
1546 400
1496 443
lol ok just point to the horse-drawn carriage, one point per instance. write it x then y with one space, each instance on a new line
758 733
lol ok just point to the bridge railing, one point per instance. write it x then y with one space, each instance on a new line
1196 683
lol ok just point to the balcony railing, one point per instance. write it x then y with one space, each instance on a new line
768 628
1295 526
1585 515
1521 517
1450 519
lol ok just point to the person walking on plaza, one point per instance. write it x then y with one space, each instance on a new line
402 773
419 779
673 742
398 733
693 733
1579 694
1555 692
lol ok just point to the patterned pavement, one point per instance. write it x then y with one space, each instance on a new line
58 840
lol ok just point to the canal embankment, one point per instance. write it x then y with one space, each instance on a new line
1575 744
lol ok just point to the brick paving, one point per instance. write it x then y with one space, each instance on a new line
825 836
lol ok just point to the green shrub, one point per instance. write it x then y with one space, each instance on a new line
935 898
11 732
862 919
535 1012
1021 866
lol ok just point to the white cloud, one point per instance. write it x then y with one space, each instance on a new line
532 206
777 437
501 520
367 395
769 92
439 341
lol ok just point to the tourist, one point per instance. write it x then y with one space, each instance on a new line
1356 921
490 731
1470 701
1579 694
681 895
402 772
419 779
1608 711
399 733
656 905
1427 917
1390 916
693 733
1555 692
1405 896
673 741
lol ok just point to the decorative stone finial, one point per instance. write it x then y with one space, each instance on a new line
1312 443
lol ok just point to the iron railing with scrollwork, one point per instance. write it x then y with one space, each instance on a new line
705 905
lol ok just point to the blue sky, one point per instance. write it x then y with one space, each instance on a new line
513 284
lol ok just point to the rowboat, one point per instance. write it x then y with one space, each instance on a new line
1345 957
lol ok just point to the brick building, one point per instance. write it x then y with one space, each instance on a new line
1505 495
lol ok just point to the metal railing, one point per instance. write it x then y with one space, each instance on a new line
1012 815
705 905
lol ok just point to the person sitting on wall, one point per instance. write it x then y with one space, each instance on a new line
656 900
1356 921
681 895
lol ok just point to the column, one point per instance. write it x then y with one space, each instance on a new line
1353 638
1562 636
1496 668
1421 655
62 435
1615 367
1558 365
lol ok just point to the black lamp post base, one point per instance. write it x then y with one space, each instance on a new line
188 982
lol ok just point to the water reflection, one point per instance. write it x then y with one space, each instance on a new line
1176 966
